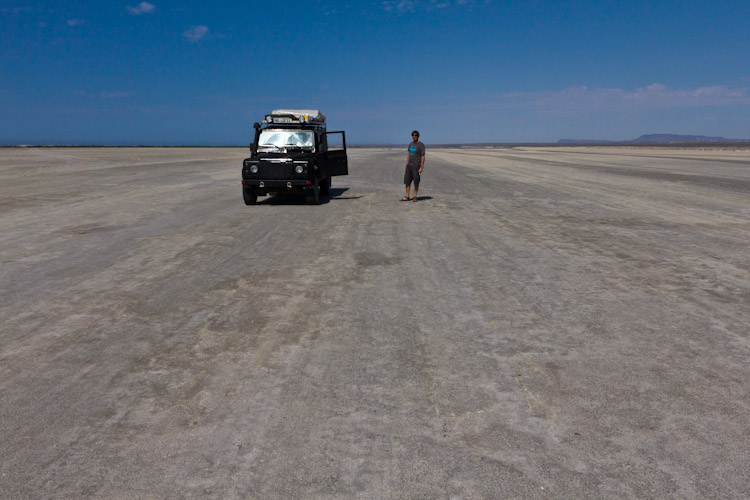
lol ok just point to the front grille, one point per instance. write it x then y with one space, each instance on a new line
275 171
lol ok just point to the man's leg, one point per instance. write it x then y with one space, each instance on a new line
416 188
407 183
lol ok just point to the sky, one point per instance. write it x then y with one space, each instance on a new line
460 71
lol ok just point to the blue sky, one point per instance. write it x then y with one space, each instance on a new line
181 72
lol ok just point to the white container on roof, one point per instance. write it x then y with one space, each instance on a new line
311 115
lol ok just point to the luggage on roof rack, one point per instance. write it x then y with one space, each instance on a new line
298 115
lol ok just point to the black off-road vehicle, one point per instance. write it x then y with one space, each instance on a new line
291 153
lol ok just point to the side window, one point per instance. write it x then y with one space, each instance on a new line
336 141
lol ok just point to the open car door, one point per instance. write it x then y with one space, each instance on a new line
336 157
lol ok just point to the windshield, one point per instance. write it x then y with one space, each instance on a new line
286 138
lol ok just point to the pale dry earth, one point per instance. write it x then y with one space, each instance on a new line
544 323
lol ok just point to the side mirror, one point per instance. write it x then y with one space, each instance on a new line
256 125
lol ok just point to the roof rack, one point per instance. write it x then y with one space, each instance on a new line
295 116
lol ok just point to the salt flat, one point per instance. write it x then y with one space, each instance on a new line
543 323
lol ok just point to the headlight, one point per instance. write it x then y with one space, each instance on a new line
299 169
254 169
302 119
269 119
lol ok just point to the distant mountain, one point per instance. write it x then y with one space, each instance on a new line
654 138
678 138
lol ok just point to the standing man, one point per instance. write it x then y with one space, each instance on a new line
414 165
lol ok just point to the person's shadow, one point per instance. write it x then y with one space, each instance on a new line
424 198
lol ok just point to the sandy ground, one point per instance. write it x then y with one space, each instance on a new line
543 323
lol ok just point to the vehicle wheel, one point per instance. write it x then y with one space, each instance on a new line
325 188
250 196
312 194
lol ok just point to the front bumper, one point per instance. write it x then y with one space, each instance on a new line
262 183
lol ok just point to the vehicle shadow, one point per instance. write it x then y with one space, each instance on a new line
299 199
337 192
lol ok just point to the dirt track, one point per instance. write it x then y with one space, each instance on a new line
562 323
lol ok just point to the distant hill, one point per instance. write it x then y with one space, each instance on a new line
678 138
654 138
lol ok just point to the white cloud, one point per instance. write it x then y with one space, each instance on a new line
16 10
75 22
417 5
117 94
195 33
141 8
399 6
654 95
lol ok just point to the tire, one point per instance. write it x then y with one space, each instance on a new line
325 188
312 194
250 196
